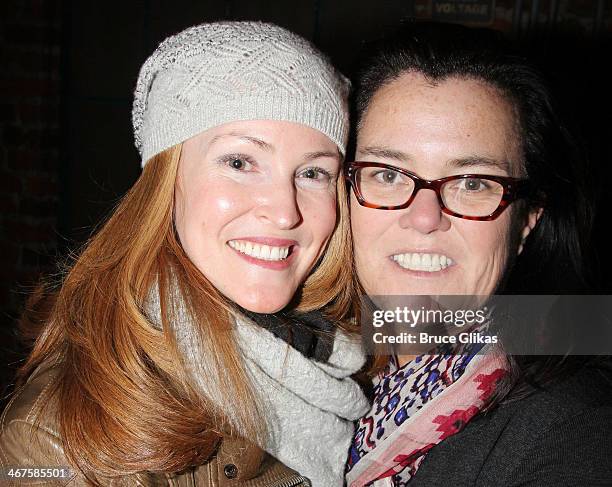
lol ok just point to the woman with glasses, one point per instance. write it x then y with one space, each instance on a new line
465 183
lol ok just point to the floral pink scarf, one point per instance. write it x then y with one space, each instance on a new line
416 407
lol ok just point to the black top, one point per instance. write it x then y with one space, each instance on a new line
558 437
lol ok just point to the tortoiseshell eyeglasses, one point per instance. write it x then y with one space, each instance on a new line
471 196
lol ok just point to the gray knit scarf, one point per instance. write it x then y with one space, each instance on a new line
309 406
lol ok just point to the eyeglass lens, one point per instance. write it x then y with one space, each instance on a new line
468 196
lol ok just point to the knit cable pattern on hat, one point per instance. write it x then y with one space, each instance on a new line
221 72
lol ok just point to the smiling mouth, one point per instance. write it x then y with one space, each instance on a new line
261 251
423 262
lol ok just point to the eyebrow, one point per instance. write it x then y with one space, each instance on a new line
461 162
385 153
479 161
262 144
310 156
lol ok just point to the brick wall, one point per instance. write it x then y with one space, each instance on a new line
29 153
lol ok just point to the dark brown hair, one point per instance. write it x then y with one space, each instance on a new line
554 257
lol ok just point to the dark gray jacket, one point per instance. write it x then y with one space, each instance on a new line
558 437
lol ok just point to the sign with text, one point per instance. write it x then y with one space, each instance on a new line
474 11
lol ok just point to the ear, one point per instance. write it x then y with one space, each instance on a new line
532 220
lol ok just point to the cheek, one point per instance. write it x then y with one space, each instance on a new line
490 248
318 213
221 203
202 211
370 242
367 225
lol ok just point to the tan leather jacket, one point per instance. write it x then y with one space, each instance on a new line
32 452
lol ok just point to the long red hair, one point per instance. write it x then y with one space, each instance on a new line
126 400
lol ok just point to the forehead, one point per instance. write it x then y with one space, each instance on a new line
455 117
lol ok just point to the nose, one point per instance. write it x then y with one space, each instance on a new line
424 213
278 205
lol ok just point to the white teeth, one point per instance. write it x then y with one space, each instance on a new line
423 262
263 252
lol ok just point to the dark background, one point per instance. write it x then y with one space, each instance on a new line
68 68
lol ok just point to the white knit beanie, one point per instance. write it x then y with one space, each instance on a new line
222 72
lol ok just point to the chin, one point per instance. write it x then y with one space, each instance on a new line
263 305
264 309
